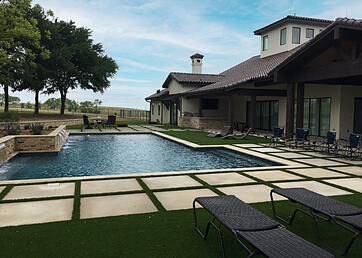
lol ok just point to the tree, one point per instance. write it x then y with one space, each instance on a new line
11 99
76 62
17 33
52 103
86 107
35 76
97 103
29 105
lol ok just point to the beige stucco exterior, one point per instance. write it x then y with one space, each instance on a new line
274 46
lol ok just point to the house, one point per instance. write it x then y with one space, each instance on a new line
308 75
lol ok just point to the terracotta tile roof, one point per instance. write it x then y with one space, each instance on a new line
252 69
293 18
158 94
349 22
197 55
193 78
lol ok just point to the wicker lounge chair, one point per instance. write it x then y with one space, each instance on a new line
225 131
254 231
242 137
318 204
87 123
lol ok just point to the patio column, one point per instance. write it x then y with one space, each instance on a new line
230 110
149 113
300 104
253 112
290 110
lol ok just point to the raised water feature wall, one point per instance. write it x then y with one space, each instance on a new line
12 145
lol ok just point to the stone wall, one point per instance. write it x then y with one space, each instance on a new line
11 145
47 124
202 122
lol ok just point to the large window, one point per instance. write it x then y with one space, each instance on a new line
309 33
317 116
159 109
209 103
266 114
296 35
153 108
265 43
283 36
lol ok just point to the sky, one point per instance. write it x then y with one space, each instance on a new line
150 39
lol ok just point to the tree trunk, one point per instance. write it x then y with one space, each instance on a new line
6 91
63 96
36 108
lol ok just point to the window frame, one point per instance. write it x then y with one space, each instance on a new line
159 109
306 33
299 34
267 43
281 37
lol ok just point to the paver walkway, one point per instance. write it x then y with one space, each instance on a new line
31 203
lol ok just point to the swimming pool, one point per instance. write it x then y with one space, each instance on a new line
91 155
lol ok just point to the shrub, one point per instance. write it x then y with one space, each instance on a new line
12 129
37 129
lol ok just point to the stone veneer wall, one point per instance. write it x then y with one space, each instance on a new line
202 122
11 145
50 123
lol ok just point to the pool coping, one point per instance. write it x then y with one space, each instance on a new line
285 163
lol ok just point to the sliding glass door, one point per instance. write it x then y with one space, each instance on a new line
266 114
357 125
316 116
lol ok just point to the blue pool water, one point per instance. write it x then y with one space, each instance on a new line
90 155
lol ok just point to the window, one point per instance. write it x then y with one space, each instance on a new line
296 35
309 33
265 43
266 117
153 108
283 36
209 103
159 109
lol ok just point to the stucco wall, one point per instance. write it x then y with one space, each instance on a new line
274 46
155 117
174 87
348 95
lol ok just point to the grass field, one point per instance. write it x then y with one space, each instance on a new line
201 138
28 114
161 234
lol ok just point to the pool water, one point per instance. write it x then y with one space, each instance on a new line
91 155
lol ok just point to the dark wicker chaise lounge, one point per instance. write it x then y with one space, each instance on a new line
225 131
317 204
253 230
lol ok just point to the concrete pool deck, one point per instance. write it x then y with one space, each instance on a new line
49 200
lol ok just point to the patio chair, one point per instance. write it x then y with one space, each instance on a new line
352 148
111 122
225 131
316 204
301 138
277 137
254 231
329 144
87 123
242 137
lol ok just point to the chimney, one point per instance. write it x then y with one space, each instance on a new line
196 60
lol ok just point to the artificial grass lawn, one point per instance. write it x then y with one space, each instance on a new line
161 234
201 138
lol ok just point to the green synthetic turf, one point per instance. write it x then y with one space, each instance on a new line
200 137
161 234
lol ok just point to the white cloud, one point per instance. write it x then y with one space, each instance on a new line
128 80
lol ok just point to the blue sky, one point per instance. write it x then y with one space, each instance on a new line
149 39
